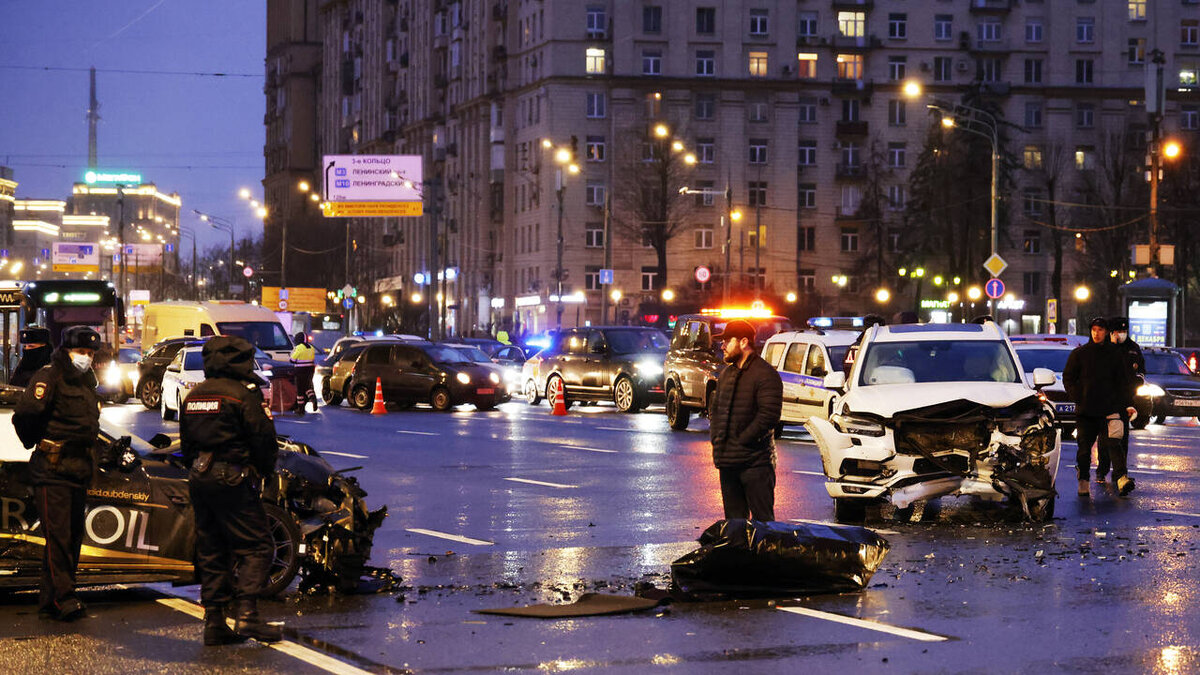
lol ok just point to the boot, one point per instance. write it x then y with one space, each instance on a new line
1083 488
247 623
216 630
1124 485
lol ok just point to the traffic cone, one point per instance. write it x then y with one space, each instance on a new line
379 408
560 404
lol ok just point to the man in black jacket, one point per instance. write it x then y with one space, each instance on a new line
228 440
35 353
59 413
746 408
1131 353
1097 379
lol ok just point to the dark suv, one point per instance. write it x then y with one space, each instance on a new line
151 369
423 373
618 363
694 361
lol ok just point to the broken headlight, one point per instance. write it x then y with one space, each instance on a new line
857 425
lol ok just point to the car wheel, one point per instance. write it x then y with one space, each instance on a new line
1140 421
328 395
285 549
361 398
1159 419
553 384
167 413
532 395
625 396
849 510
440 399
150 392
120 399
677 412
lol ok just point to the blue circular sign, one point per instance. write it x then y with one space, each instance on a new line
994 288
348 303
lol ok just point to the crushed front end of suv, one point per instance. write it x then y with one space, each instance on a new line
936 410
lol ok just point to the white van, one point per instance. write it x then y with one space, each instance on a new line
803 358
257 324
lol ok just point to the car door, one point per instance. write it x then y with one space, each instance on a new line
171 378
681 359
372 365
595 364
791 372
572 359
814 395
415 373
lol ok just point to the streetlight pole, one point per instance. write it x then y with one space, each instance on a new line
558 271
121 236
1154 108
604 288
225 225
191 235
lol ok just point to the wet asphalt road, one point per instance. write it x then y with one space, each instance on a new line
515 506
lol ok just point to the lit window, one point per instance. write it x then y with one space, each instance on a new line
852 24
850 66
1137 50
806 67
758 64
1033 157
1137 10
595 61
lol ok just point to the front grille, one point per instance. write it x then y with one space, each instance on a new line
955 463
1184 393
912 439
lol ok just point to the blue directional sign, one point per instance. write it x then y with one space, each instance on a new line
3 253
994 288
348 303
606 276
170 248
45 253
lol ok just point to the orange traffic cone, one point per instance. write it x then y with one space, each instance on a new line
560 404
379 408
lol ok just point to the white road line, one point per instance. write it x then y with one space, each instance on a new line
869 625
1177 513
416 433
351 455
615 429
539 482
311 657
824 522
577 447
451 537
809 473
1148 472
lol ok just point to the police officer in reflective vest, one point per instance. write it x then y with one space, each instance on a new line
303 357
229 443
59 413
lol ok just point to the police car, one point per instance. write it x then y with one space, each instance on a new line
803 359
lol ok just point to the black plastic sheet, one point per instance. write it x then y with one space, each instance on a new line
747 557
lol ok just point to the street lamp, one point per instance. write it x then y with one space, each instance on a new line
882 296
668 295
224 225
565 157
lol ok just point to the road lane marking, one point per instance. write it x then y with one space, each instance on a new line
451 537
809 473
416 433
579 447
829 524
539 482
1177 513
297 651
351 455
864 623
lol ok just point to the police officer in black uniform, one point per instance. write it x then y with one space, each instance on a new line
228 440
59 413
35 353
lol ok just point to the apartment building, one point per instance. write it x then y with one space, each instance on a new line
796 110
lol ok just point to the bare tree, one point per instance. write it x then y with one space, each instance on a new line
1049 174
1111 180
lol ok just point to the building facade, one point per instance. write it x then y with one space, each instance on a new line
792 114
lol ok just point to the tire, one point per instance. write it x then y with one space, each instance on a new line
328 395
1140 421
150 392
1159 419
440 399
552 384
677 412
285 546
361 398
532 395
625 395
167 414
120 399
849 510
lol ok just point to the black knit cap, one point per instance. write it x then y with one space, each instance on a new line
80 337
1099 321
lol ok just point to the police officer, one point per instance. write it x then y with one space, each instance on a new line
1131 355
59 412
35 353
229 444
303 357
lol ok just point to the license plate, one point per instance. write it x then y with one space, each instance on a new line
485 391
1188 402
1065 407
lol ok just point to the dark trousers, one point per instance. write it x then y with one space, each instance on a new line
60 509
1093 430
749 493
231 534
304 386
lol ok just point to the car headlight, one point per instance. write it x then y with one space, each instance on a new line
859 426
112 376
188 385
1151 390
494 378
648 368
463 378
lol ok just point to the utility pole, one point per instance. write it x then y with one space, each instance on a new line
606 288
434 185
558 271
1154 105
727 222
757 248
121 235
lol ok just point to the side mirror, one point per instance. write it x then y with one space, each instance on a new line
175 369
834 380
1043 377
820 372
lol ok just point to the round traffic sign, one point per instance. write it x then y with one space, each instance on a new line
348 303
994 288
283 304
247 271
703 274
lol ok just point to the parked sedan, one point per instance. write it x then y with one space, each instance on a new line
1051 356
186 371
511 377
1171 388
151 368
623 364
423 373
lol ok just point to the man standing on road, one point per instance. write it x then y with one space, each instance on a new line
1097 380
746 408
1135 363
229 442
59 412
304 360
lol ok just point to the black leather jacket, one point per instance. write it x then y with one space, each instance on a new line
60 404
747 405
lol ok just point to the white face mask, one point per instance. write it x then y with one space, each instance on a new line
81 362
1118 337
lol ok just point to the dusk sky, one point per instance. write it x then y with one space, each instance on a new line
198 135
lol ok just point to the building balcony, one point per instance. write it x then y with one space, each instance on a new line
857 128
995 89
978 46
850 171
990 6
858 43
811 41
842 86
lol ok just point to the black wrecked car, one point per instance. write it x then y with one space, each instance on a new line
422 372
139 525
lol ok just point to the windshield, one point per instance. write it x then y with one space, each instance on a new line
474 355
193 360
324 339
262 334
440 354
1054 359
129 356
937 361
837 356
633 340
1166 364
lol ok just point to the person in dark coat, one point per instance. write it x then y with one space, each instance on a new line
59 414
747 404
1131 352
1098 381
228 441
35 353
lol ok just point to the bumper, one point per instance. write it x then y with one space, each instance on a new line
490 395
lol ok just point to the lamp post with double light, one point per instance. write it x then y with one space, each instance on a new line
564 157
225 225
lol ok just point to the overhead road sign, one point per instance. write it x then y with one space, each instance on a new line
372 209
370 186
75 257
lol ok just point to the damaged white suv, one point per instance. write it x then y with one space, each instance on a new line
934 410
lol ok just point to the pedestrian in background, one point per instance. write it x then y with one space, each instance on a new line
59 413
745 411
1097 380
1135 363
303 359
229 443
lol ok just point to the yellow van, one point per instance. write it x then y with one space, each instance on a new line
257 324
